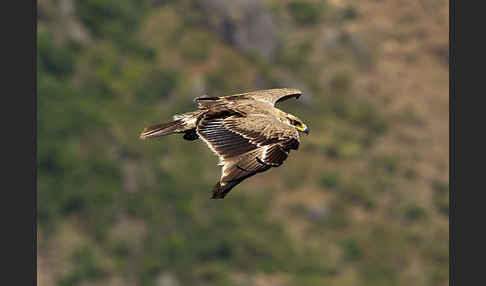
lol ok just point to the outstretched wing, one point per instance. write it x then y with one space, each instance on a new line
246 146
271 96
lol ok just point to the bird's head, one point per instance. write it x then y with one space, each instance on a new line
297 124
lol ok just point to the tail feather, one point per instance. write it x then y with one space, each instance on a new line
162 129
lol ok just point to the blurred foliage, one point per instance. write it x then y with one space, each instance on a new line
111 18
85 268
306 13
330 179
141 209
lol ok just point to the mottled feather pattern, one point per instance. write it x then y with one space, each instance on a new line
226 143
236 171
274 155
270 95
246 132
263 129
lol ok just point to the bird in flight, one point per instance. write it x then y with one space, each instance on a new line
246 131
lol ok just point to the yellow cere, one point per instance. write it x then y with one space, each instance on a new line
302 127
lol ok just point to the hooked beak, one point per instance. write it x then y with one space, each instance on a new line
303 128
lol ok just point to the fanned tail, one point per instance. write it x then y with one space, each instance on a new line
163 129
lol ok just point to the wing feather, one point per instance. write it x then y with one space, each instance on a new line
246 146
272 96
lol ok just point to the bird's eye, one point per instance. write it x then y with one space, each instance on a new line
295 123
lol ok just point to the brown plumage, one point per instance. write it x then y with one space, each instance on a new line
245 130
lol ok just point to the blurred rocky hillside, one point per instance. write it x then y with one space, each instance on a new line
364 201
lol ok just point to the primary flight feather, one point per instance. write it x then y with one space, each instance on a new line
247 132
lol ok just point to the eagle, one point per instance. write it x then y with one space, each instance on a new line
246 131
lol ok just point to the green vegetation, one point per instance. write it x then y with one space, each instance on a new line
414 213
330 179
85 268
196 47
441 196
111 18
306 13
351 249
349 13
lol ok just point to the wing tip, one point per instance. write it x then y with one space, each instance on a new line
294 91
220 191
143 135
289 93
